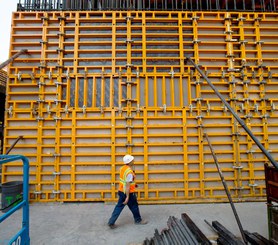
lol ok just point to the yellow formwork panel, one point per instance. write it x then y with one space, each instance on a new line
97 85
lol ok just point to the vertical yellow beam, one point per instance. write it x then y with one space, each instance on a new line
113 154
144 43
146 158
181 42
185 159
73 155
163 91
114 23
76 43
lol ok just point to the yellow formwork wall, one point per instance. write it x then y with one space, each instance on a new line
98 85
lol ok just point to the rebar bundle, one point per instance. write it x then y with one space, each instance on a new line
164 5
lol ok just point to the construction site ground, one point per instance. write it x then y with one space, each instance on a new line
86 223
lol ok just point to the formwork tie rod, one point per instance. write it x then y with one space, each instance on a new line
241 122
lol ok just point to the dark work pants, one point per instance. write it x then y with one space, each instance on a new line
132 204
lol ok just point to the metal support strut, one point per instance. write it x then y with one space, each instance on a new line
241 122
226 190
22 51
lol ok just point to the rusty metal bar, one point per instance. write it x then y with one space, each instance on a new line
241 122
22 51
226 189
13 145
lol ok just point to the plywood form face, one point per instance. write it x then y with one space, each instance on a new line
98 85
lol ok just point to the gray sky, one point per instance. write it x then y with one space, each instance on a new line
6 9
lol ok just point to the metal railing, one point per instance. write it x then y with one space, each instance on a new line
22 237
164 5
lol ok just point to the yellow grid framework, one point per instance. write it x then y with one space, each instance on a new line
97 85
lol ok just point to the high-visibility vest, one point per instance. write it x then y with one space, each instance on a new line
124 172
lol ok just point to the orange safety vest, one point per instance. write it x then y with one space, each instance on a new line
124 171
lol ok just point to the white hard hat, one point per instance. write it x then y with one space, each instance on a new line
127 159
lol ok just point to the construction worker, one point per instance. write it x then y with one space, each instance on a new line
126 194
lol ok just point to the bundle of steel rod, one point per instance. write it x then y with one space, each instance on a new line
181 232
164 5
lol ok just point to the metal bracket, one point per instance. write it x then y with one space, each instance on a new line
43 42
60 18
44 18
37 192
10 110
19 76
265 116
56 173
262 82
129 65
191 108
56 192
208 107
129 41
273 107
120 110
39 118
129 126
129 145
129 82
237 167
172 73
66 109
40 100
49 75
61 34
195 18
236 134
256 108
84 109
233 40
56 101
48 109
243 42
129 18
164 108
196 41
101 109
138 108
233 70
199 99
57 118
60 50
58 83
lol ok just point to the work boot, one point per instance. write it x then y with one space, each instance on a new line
142 222
112 226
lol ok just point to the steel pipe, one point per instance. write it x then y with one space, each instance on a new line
22 51
241 122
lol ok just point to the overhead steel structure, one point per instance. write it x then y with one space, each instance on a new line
186 5
96 85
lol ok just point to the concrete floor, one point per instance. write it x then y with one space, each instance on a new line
85 223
